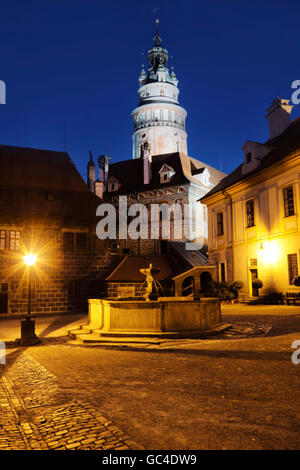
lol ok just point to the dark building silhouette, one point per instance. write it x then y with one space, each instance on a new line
47 209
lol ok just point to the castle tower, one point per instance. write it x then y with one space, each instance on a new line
158 119
91 172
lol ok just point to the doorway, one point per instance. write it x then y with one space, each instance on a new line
163 247
254 275
3 298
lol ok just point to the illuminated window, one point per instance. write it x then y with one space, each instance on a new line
288 197
292 267
14 240
220 224
2 239
250 213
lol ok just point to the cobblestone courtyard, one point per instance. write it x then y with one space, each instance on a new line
36 415
237 391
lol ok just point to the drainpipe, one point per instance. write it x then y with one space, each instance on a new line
227 196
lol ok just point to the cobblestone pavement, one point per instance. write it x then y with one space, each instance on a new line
37 415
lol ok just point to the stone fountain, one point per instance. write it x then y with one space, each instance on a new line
168 317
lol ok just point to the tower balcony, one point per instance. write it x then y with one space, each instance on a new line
158 122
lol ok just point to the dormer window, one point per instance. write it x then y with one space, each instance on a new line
166 172
113 184
254 152
200 174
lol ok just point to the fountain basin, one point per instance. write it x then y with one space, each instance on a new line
167 315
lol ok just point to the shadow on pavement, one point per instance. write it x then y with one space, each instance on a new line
209 353
58 323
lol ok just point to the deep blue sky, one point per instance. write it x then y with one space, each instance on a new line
76 62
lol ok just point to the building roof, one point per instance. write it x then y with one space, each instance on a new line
283 145
129 268
42 183
40 169
130 172
190 257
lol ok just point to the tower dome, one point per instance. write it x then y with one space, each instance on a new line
158 118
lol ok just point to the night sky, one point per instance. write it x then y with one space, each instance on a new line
74 64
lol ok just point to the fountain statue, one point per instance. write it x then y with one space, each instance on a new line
151 283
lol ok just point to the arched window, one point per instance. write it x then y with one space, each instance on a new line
188 286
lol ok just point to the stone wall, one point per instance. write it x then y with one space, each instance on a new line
61 281
122 289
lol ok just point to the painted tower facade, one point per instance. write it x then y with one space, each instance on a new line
158 118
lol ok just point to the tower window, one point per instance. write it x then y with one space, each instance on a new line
248 157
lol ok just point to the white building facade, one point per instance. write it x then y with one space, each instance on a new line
253 213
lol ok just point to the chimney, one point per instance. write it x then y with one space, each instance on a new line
99 188
278 115
91 172
103 161
146 162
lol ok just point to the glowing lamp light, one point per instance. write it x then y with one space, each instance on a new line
30 259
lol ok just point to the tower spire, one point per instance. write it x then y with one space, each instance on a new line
157 39
158 118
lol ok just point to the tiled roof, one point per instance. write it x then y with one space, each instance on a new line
43 183
130 172
177 261
129 268
286 143
34 168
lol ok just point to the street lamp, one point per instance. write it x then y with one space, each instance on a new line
28 335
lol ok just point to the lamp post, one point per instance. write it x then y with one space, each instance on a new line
28 335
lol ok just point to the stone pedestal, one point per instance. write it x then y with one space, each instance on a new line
28 335
166 315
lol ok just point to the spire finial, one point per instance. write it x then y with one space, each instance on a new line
157 39
91 157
